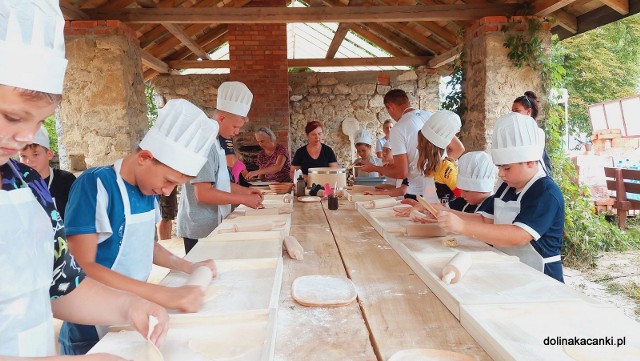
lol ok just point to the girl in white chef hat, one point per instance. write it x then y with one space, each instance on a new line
39 278
526 218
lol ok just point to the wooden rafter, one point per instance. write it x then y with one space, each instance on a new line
419 38
185 39
337 40
381 43
440 32
546 7
445 58
146 3
566 21
394 39
204 41
621 6
304 14
71 12
154 63
307 63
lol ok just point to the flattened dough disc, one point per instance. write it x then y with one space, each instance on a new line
323 291
429 354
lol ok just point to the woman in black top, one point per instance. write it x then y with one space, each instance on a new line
314 154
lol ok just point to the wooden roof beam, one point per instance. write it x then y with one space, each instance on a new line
398 41
546 7
445 58
154 63
566 21
337 40
147 4
621 6
263 15
381 43
215 36
419 38
186 40
440 32
307 63
71 12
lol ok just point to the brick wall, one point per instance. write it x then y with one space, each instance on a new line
258 54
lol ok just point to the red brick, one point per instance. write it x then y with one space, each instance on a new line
493 20
84 24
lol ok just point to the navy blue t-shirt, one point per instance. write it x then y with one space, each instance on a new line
542 216
459 204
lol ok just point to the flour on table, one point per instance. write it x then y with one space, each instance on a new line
323 291
597 353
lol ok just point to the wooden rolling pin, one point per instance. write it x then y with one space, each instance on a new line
456 268
380 203
294 249
419 230
247 227
201 277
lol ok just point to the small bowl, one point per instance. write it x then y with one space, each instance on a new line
280 188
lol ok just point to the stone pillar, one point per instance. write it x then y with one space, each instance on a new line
428 89
258 57
491 81
103 111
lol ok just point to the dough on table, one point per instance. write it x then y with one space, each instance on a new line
599 353
427 354
327 291
450 242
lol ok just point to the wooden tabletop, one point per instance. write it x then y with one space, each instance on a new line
394 311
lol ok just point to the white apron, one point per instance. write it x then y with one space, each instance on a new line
135 257
223 182
26 271
505 213
429 190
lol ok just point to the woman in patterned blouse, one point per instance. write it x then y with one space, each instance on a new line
273 159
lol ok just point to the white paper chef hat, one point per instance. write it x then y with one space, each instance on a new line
234 97
42 138
32 45
516 138
181 137
476 172
441 127
362 136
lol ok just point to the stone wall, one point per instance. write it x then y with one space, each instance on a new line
333 97
103 111
328 97
491 81
201 90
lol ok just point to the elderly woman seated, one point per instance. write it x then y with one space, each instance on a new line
315 153
273 159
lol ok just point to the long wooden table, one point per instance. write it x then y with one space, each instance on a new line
395 310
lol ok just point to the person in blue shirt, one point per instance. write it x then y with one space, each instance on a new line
526 218
476 179
113 210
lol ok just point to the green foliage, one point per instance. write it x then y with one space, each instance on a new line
586 233
602 64
152 107
524 45
454 100
50 126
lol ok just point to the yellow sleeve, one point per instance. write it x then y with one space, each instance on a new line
447 174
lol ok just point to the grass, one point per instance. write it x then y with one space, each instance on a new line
631 289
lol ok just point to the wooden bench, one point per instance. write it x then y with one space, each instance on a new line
623 182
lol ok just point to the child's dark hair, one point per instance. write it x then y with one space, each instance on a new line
396 96
529 101
429 156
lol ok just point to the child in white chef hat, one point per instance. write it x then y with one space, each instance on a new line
363 148
476 178
113 210
39 279
526 218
